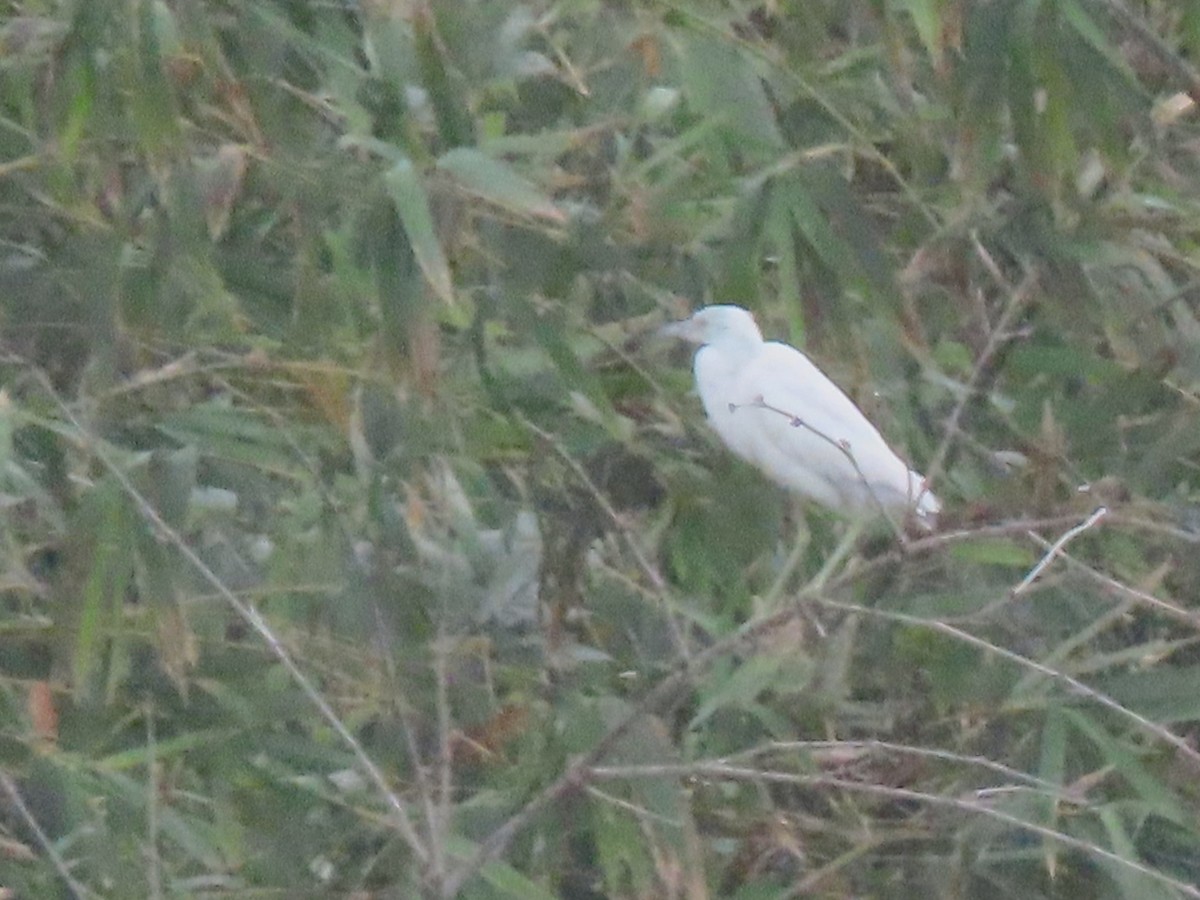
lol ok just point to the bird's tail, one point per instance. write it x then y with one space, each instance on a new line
926 505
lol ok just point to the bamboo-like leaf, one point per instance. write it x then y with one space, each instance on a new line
1133 882
7 417
501 877
722 84
151 102
190 834
740 687
407 189
225 432
454 121
995 552
814 226
1052 769
1164 694
927 17
621 848
498 183
1125 764
109 574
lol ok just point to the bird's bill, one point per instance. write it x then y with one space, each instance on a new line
686 329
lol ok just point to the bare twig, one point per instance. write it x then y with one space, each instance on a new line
639 811
1181 70
60 865
424 788
1016 526
153 860
725 772
997 337
621 526
1171 610
253 618
678 633
671 687
1067 536
1188 536
838 748
439 827
1074 684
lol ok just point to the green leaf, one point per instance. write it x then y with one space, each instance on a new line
1154 791
78 85
151 101
816 230
995 551
622 849
1163 694
453 117
1087 28
190 833
1052 768
7 426
218 430
106 523
170 477
498 183
721 84
1133 880
927 18
743 686
407 190
499 875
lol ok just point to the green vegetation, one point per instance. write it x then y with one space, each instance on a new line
359 538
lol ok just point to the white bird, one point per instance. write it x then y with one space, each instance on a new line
775 409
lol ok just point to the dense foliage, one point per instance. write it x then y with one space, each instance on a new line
360 538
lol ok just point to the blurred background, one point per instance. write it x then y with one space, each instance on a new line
360 539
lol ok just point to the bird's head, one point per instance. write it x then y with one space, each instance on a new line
723 325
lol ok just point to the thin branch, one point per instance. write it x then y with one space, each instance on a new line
678 633
1074 684
639 811
153 765
14 795
439 827
725 772
408 729
997 337
671 688
834 748
1056 548
1187 535
253 618
1178 613
622 528
1181 70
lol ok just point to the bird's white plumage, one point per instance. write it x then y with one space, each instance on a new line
774 408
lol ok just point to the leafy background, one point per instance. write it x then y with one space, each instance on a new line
360 539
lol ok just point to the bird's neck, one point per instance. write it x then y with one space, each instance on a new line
717 366
730 353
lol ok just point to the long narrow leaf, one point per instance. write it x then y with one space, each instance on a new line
498 183
407 190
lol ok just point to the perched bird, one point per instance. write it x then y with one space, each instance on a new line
775 409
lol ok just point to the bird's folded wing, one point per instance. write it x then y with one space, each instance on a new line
813 424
